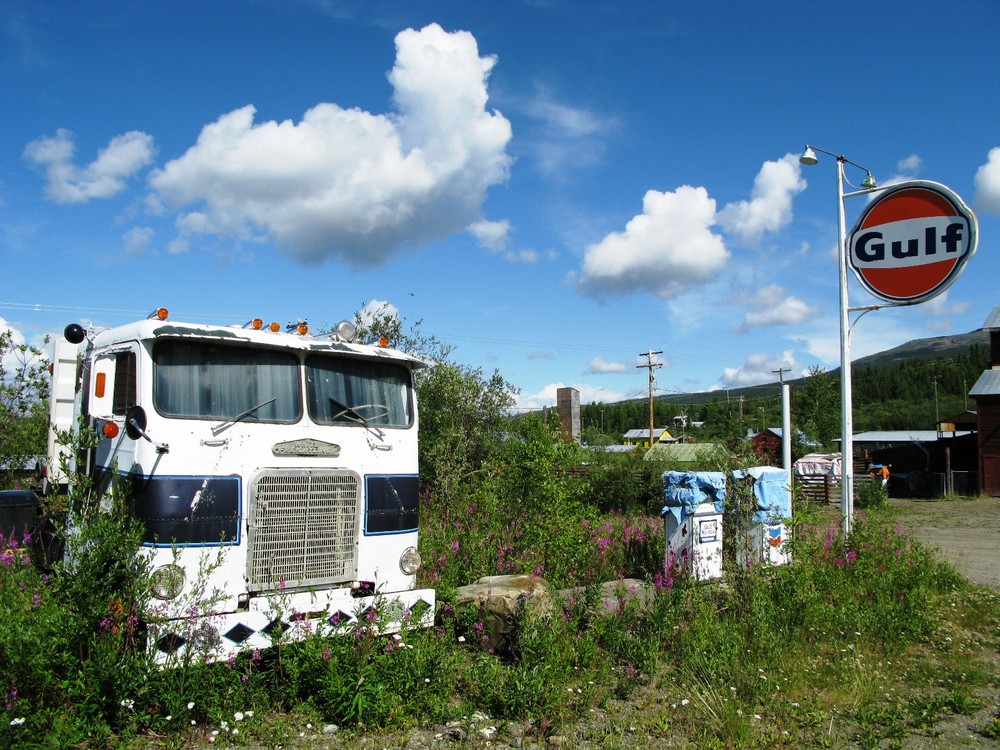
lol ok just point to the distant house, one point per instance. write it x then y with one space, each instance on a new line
767 444
986 393
640 437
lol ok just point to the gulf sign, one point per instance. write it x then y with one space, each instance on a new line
912 242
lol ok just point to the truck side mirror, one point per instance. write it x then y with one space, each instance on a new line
135 423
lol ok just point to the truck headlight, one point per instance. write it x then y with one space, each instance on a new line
166 582
409 561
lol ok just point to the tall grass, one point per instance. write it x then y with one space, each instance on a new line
774 657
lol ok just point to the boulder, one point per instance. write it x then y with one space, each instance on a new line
500 602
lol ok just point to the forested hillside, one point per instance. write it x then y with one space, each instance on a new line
914 386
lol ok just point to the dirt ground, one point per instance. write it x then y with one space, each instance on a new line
967 532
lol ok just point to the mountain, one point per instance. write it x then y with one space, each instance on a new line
940 346
918 349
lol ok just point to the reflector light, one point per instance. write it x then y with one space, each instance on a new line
383 342
110 430
160 313
275 327
99 382
302 329
256 324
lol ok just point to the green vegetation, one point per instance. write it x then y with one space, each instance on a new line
24 410
910 394
857 643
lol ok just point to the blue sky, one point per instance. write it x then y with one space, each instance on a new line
551 187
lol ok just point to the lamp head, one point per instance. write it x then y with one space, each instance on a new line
869 182
808 157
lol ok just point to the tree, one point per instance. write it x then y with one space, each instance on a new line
816 406
24 405
463 413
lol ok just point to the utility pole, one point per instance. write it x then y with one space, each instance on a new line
786 424
650 365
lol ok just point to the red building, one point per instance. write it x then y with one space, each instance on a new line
986 393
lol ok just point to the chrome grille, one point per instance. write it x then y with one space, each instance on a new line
303 529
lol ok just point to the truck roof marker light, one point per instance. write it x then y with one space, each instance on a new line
383 342
256 324
160 313
275 327
345 330
300 327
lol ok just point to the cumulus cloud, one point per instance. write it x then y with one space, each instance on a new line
347 184
599 366
911 165
14 360
491 234
588 394
988 183
759 368
773 306
770 204
104 177
666 250
377 308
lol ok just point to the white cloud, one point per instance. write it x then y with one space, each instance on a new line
772 306
102 178
588 394
348 184
14 360
770 205
599 366
940 306
666 250
911 165
491 234
988 183
136 241
377 308
759 368
568 137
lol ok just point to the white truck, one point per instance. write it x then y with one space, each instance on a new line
274 473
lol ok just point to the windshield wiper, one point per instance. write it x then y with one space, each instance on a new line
229 422
354 416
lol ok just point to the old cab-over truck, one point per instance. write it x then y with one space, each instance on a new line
274 473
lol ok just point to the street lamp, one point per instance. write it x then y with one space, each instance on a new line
846 406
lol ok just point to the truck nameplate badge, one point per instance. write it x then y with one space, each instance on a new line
306 447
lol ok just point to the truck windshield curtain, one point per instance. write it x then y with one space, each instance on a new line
355 391
204 380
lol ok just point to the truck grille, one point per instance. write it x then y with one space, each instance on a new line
303 528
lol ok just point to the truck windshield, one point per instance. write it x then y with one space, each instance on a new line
358 391
205 380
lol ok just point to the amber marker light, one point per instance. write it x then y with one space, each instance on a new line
160 313
256 324
383 342
274 327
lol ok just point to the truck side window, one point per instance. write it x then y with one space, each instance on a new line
125 383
